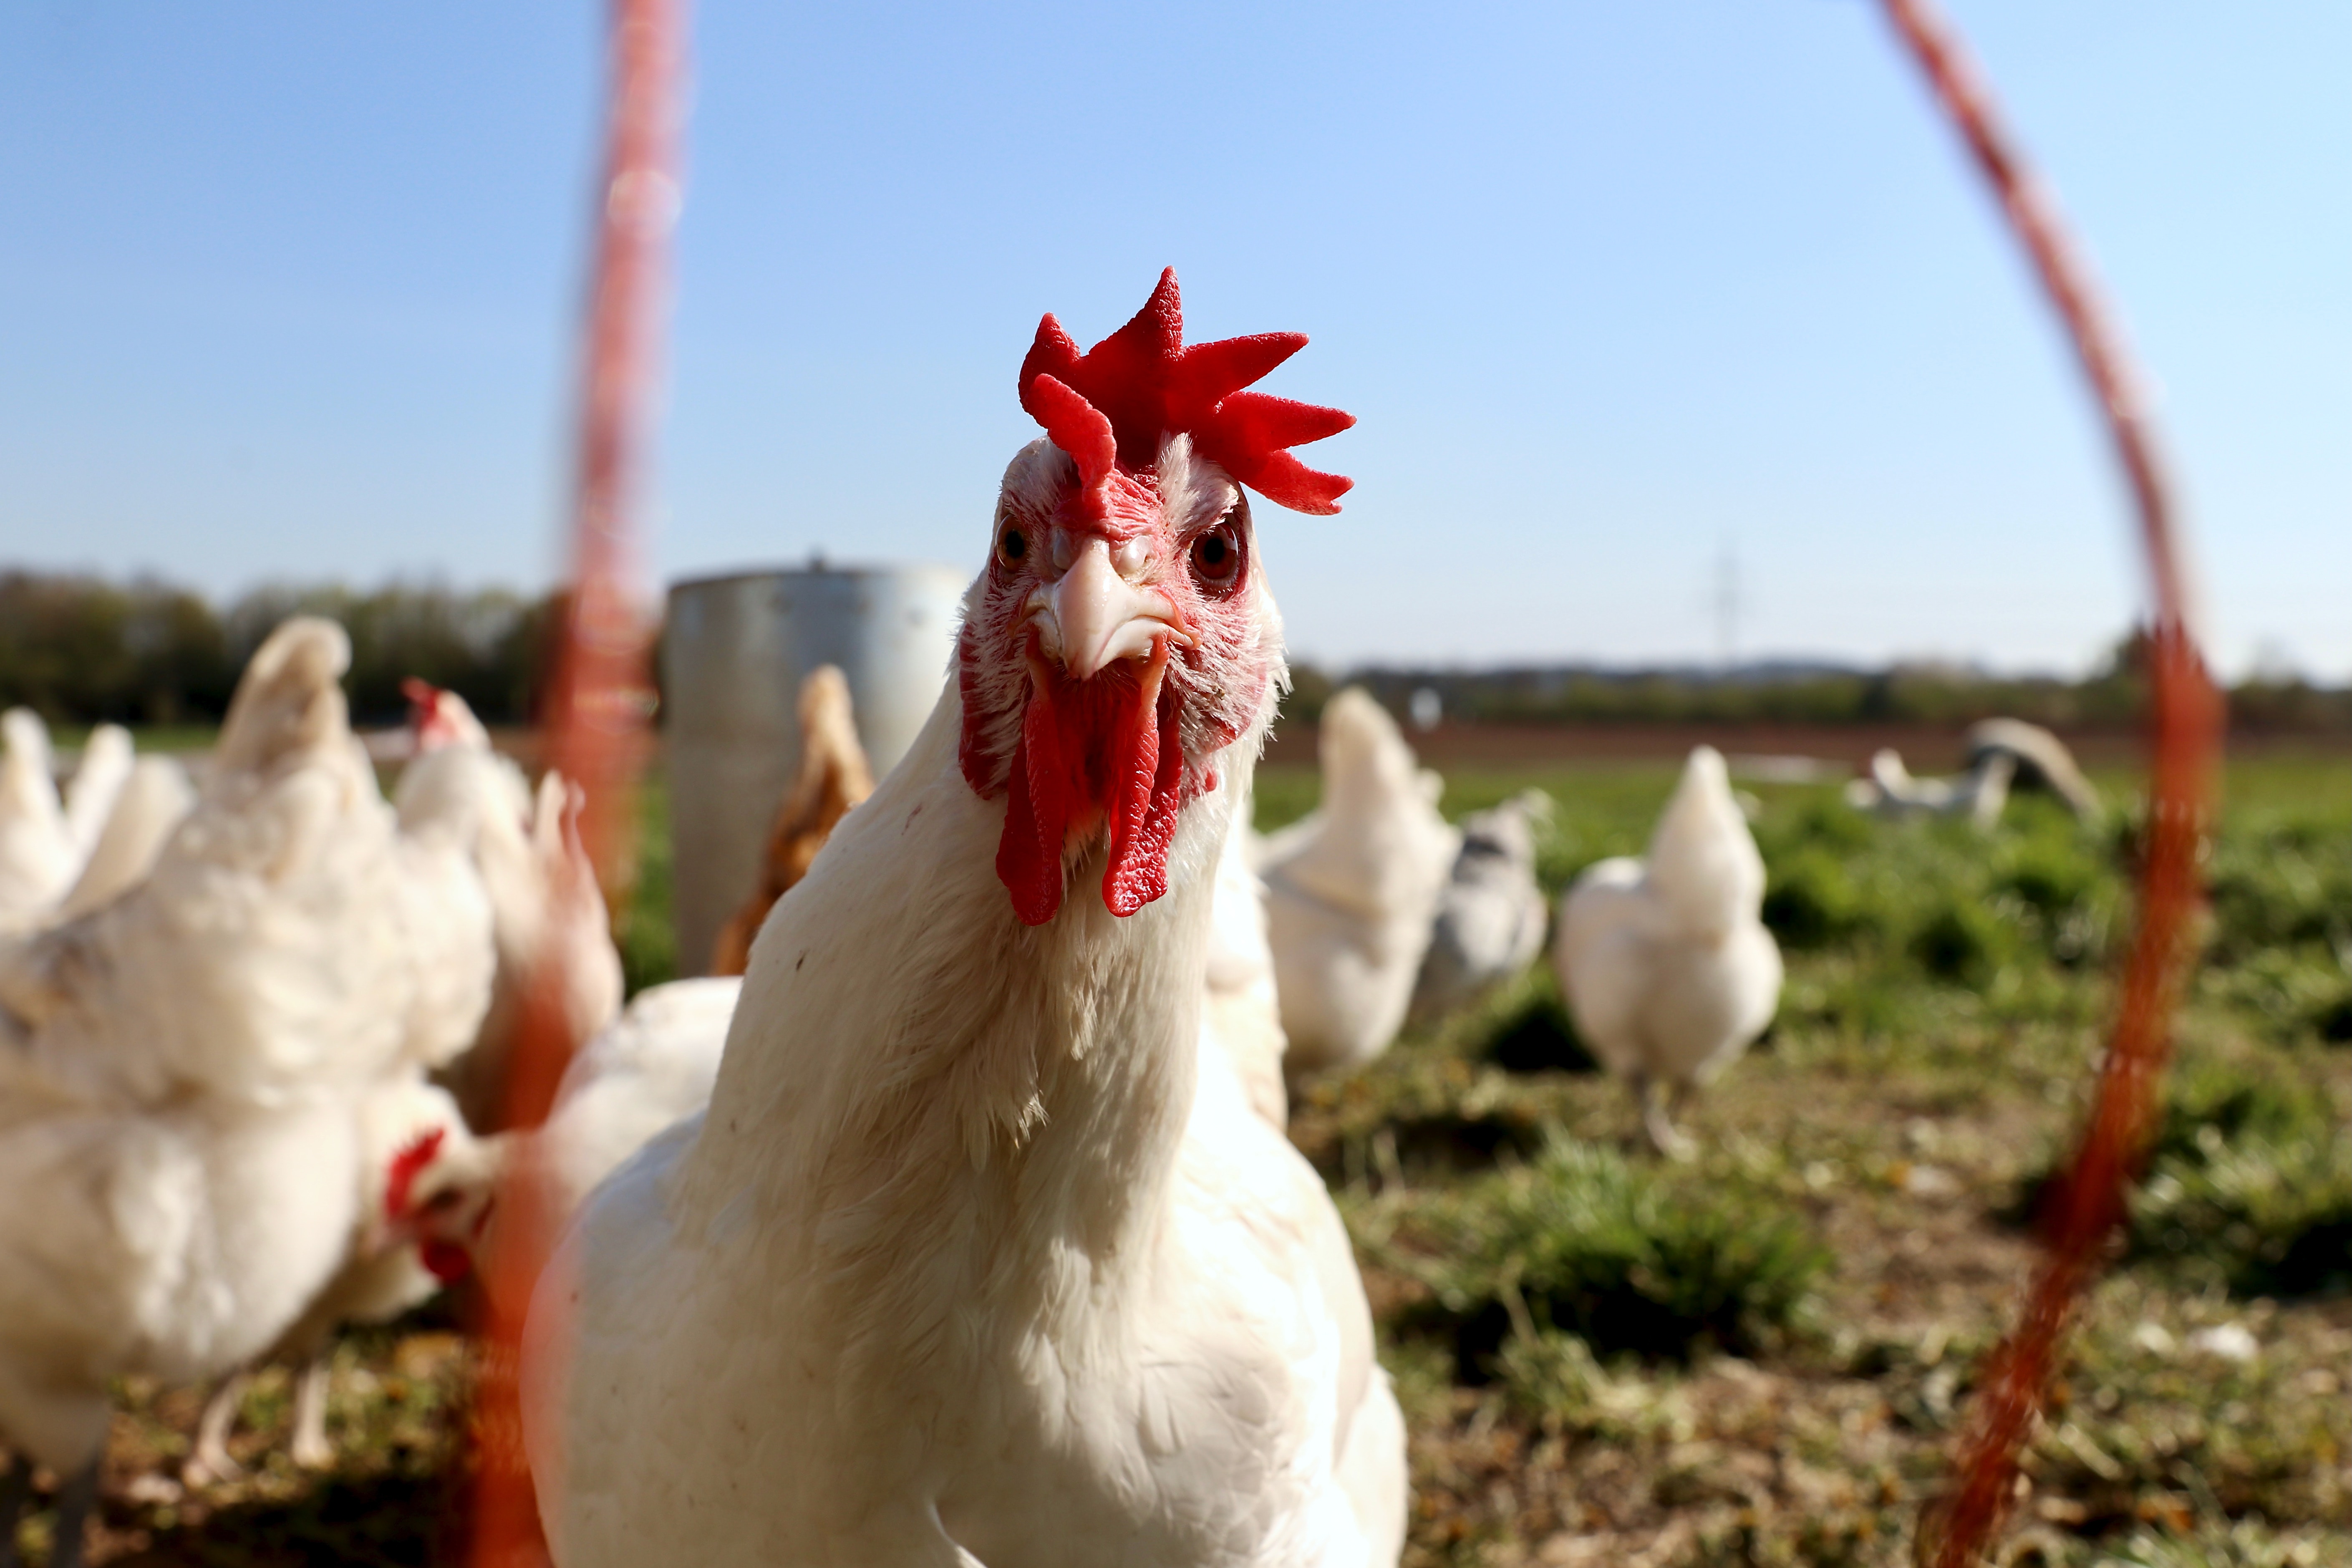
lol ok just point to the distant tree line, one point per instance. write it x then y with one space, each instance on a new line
2113 697
80 649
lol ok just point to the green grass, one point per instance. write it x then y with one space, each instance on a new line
1623 1256
1587 1342
1760 1358
642 927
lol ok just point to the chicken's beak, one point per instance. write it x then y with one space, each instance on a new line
1093 616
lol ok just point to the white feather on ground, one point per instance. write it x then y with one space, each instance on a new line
1351 890
1664 962
1491 915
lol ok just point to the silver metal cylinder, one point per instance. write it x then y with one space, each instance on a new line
734 652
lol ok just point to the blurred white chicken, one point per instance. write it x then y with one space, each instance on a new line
148 809
2001 752
1351 890
1890 789
182 1071
652 1068
98 780
550 917
1491 915
1664 962
38 856
387 1268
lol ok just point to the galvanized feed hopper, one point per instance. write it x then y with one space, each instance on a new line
734 652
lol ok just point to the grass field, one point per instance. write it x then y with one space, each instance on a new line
1758 1358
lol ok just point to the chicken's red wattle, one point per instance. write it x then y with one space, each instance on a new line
1101 749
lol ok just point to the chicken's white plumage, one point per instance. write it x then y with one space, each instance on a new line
181 1072
652 1068
149 808
977 1256
1491 916
98 780
1242 1015
547 909
1666 964
653 1065
37 855
381 1275
1351 890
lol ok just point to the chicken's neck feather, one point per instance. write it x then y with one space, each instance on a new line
920 1086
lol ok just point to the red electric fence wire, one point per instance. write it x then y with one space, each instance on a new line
599 693
2185 732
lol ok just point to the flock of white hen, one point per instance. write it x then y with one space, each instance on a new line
942 1237
255 1032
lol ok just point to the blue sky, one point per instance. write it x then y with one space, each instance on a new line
1616 291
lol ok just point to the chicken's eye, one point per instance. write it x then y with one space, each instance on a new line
1012 545
1217 557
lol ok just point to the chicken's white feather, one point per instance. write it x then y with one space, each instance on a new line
1666 964
181 1071
977 1256
1351 890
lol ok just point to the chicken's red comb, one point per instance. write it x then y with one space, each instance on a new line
406 1166
1114 402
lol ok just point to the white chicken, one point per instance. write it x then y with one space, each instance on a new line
97 779
39 857
549 918
428 1214
386 1269
181 1071
1351 890
1491 916
149 807
976 1255
651 1068
1664 962
1242 1015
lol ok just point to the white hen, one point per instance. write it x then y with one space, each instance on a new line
148 809
548 914
384 1272
39 857
97 779
181 1071
1491 916
651 1068
1351 890
976 1255
1667 968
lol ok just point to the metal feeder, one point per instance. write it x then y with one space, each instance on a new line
734 652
